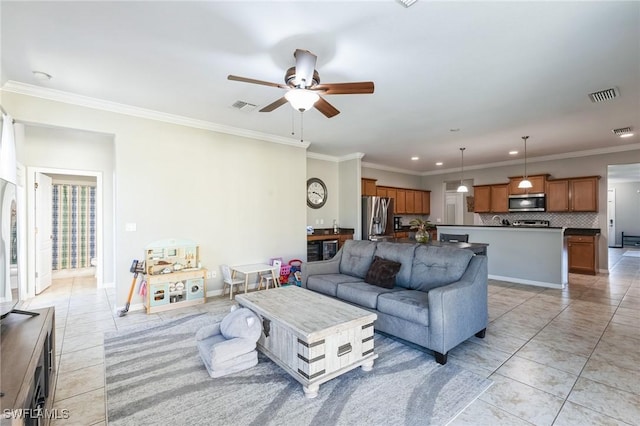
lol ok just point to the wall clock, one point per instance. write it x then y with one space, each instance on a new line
316 193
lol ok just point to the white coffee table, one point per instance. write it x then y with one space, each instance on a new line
313 337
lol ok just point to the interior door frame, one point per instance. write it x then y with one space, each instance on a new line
31 220
611 218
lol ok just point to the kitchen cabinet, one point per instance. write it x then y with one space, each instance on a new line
342 238
583 254
583 194
573 194
426 202
393 194
491 198
410 202
405 201
401 202
482 199
558 195
538 182
369 187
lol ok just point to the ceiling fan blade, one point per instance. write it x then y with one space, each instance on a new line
274 105
362 87
326 108
305 66
253 81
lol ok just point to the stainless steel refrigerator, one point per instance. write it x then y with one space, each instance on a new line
377 218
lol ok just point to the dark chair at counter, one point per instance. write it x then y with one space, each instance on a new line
454 238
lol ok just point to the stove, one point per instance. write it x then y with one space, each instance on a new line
531 223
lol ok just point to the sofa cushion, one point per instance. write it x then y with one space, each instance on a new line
401 253
436 266
357 256
411 305
361 294
382 273
328 283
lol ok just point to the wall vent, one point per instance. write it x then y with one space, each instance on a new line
603 95
243 106
622 131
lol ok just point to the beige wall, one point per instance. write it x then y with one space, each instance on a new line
173 181
327 171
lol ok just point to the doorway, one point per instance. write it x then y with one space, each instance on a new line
623 202
39 260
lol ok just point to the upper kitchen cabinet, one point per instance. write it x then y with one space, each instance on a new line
538 182
405 201
369 187
400 203
426 202
573 195
491 198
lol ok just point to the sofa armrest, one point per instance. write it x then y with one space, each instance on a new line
459 310
321 267
208 331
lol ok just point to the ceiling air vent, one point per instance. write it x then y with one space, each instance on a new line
622 131
603 95
243 106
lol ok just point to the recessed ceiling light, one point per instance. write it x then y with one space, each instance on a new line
414 158
41 75
513 152
454 130
439 163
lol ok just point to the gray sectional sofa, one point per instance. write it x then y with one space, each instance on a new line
438 298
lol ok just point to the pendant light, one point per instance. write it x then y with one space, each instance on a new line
525 183
462 187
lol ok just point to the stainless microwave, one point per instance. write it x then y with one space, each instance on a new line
527 203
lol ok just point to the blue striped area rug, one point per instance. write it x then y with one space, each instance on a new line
155 376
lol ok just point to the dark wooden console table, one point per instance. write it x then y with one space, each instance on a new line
27 364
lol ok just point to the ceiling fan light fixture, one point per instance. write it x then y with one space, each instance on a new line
301 99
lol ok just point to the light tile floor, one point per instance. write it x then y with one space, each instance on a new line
561 357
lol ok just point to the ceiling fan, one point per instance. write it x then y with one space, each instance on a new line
302 83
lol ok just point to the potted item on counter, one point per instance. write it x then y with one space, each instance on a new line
421 226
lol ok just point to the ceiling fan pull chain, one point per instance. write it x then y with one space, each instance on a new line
301 126
293 132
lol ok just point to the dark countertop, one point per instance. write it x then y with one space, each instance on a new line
478 248
506 226
327 234
582 231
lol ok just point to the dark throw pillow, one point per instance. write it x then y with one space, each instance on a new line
382 272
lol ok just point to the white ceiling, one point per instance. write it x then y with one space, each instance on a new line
494 70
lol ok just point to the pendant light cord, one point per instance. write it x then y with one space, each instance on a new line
462 166
525 156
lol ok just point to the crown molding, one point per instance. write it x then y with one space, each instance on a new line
392 169
333 159
564 156
100 104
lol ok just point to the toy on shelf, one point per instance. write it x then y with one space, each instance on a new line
174 276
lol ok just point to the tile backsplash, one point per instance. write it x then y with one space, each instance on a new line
567 220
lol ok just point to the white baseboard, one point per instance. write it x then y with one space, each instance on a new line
529 282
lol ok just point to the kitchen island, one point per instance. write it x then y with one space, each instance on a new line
535 256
